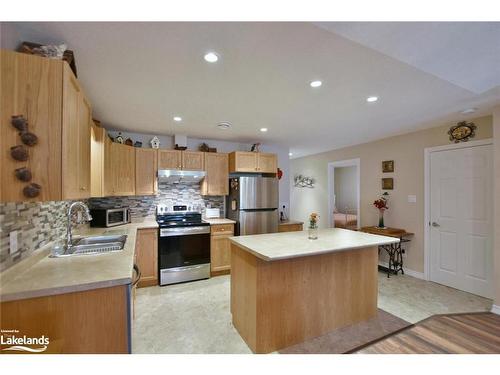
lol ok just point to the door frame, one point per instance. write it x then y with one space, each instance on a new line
427 192
331 184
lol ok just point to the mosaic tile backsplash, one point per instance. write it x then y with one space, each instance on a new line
37 224
40 223
168 193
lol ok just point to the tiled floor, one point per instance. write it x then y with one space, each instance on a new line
195 318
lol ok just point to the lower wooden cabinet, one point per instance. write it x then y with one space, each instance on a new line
90 322
220 248
146 256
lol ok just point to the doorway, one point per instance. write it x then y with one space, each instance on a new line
344 194
459 216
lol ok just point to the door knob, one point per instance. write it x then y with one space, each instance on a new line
435 225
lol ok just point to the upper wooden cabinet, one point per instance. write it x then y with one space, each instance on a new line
217 174
76 123
193 160
253 162
169 159
46 93
146 167
97 138
176 159
119 169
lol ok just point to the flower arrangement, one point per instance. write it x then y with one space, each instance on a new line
381 205
313 220
313 226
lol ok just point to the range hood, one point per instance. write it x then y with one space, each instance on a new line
176 176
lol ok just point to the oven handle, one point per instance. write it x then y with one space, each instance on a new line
181 269
170 232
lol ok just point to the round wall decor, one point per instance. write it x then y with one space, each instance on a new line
462 131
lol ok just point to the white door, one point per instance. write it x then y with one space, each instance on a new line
461 219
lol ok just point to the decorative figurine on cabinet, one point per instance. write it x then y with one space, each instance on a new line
155 142
119 138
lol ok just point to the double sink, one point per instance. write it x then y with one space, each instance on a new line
93 245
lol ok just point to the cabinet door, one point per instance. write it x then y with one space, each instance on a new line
71 136
243 162
123 158
267 163
193 160
146 249
31 86
76 118
84 124
169 159
97 135
220 253
216 180
146 168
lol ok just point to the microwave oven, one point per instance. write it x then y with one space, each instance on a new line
109 217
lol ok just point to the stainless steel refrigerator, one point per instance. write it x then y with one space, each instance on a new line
253 203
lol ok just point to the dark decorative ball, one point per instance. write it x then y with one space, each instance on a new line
23 174
19 122
19 153
29 139
32 190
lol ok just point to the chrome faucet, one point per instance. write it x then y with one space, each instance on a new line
86 217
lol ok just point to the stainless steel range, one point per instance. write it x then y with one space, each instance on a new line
183 245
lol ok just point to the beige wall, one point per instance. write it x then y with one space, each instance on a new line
496 252
407 151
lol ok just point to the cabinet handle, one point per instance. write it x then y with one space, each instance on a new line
83 188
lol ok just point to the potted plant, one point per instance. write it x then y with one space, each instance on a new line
381 205
313 226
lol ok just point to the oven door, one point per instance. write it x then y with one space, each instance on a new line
182 247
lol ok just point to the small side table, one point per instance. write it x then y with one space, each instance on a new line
395 251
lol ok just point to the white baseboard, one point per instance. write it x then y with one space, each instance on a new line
409 272
495 309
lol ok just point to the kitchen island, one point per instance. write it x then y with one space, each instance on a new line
286 288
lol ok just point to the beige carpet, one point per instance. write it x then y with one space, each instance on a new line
350 338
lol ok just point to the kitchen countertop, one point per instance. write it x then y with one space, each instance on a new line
286 245
221 220
39 275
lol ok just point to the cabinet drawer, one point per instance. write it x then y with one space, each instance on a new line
219 229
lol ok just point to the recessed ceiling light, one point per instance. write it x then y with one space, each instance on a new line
316 83
290 154
372 99
263 130
468 110
211 57
177 118
224 125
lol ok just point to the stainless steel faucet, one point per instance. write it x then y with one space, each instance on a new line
85 217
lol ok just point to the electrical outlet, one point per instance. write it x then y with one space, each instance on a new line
412 199
14 242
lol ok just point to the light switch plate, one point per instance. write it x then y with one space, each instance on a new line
13 242
412 199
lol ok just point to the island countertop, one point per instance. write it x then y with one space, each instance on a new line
286 245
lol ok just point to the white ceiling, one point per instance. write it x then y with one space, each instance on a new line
139 75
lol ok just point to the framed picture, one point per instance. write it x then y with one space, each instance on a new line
388 166
387 183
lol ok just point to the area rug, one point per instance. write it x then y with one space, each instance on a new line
350 338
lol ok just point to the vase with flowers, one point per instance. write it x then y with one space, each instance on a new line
313 226
381 205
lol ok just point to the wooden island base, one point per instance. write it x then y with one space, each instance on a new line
276 304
